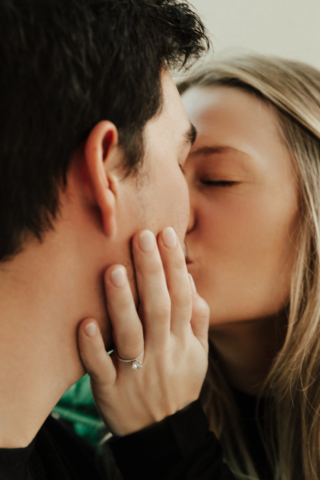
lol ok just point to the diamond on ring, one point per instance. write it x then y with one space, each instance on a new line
136 364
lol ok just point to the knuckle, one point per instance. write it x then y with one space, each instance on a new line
118 298
150 267
182 297
128 334
161 311
178 263
130 345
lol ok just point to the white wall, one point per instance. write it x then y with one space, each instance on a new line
287 28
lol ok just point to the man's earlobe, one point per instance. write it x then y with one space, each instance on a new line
101 158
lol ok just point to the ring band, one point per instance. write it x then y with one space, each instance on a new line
136 364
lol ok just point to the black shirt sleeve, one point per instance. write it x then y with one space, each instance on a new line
180 447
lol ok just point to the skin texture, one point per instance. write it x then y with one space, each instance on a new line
243 225
46 290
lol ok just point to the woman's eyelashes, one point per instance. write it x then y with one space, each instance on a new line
218 183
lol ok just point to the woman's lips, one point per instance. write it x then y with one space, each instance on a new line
188 260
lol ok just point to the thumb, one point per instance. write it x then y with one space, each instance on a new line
95 359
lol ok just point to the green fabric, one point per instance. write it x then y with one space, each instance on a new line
77 406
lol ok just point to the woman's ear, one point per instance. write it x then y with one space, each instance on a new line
101 156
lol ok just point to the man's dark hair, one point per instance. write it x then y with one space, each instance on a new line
65 65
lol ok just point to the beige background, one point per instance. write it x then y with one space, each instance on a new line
287 28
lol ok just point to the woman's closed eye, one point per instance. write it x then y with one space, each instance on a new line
218 183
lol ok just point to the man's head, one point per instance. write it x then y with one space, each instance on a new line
93 134
65 66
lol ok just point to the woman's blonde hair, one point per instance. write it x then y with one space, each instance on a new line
290 426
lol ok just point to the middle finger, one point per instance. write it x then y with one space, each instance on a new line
152 289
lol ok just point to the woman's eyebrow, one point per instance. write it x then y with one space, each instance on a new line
216 149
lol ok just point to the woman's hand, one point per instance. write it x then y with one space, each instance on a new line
172 331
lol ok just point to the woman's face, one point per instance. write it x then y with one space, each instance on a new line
244 205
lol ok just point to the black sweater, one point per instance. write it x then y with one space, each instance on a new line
178 448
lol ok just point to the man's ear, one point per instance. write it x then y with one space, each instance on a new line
101 153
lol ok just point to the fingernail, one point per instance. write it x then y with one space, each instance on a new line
169 237
193 285
118 276
91 329
147 241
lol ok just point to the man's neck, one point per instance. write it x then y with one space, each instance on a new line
247 349
43 297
